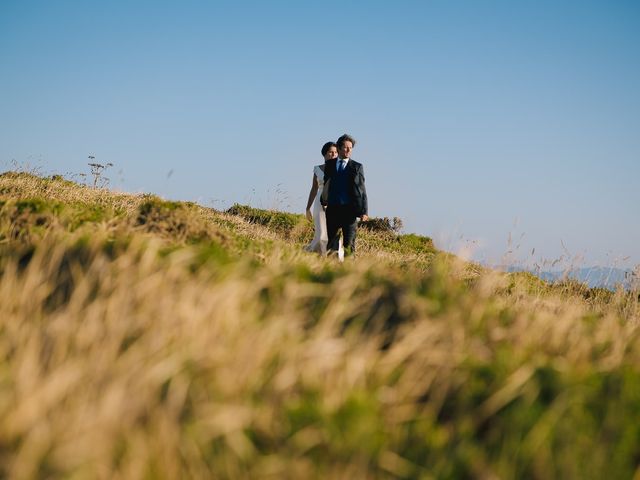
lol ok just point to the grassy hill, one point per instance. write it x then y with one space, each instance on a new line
141 338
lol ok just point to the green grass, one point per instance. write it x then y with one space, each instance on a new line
142 338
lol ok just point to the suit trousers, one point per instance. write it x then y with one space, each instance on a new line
341 217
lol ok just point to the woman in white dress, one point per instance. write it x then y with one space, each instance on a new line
315 210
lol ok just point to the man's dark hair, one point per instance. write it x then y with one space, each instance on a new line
326 147
346 138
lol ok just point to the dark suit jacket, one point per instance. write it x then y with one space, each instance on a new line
358 191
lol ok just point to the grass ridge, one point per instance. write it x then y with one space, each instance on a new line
143 338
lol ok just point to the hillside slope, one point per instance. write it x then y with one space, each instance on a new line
155 339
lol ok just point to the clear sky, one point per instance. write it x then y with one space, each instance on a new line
476 121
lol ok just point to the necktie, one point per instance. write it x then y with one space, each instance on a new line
342 165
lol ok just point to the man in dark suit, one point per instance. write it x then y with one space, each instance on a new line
344 196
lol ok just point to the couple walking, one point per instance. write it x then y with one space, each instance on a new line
336 200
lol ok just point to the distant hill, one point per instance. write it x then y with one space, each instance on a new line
606 277
603 277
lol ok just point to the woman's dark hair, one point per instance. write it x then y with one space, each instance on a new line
326 147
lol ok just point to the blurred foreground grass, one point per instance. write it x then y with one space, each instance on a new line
141 338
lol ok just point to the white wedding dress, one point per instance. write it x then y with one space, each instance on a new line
320 237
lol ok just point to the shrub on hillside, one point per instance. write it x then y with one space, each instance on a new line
280 222
387 235
382 224
26 220
175 220
417 243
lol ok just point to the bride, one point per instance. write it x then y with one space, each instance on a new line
315 211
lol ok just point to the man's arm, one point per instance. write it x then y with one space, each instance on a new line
365 203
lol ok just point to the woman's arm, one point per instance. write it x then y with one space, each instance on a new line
312 196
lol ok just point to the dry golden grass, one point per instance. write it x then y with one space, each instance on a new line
177 354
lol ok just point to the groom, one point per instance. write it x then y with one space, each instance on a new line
344 196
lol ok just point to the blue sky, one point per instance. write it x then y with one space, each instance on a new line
476 121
